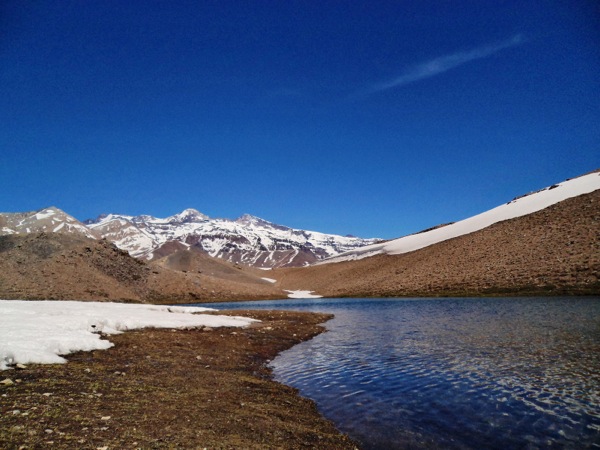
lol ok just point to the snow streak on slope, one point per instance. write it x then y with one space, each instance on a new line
518 207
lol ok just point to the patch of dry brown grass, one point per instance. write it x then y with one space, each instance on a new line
170 389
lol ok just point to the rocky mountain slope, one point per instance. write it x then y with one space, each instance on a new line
48 220
547 242
552 251
518 207
247 240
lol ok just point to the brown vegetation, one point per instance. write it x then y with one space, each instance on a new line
170 389
551 252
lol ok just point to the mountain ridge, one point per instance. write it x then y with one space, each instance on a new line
553 251
544 243
248 240
519 206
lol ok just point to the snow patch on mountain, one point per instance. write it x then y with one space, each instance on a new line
302 294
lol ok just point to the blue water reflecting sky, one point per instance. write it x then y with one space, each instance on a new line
452 373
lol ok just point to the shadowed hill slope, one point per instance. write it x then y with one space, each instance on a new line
553 251
62 266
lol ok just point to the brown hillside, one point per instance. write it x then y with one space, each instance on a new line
61 266
220 279
553 251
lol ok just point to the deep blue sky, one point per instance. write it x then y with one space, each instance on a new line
359 117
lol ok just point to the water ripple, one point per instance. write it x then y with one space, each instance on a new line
520 373
510 373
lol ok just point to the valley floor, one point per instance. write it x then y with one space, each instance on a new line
170 389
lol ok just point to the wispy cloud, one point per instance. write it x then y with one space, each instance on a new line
445 63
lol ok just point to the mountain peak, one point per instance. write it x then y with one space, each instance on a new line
245 218
48 220
98 219
189 215
249 219
247 240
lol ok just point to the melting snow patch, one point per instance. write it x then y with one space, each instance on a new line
270 280
302 294
42 331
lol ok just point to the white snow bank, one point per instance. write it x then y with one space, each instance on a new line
519 207
41 331
270 280
302 294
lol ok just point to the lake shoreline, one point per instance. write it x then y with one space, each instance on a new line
171 388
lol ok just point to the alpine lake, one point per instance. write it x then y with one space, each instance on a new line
451 373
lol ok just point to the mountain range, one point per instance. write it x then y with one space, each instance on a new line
545 242
247 240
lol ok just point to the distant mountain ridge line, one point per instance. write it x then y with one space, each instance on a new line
253 241
247 240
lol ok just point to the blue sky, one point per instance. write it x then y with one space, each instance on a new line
364 118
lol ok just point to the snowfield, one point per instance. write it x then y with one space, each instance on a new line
42 331
518 207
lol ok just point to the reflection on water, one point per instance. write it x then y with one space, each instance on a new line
453 373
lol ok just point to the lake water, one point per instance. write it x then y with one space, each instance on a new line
509 373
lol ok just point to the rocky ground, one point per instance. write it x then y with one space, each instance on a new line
169 389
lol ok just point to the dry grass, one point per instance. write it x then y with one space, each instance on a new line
170 389
555 251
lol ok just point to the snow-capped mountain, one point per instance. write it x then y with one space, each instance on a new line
247 240
520 206
49 220
256 242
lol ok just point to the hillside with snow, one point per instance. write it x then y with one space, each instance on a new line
518 207
248 240
544 243
47 220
